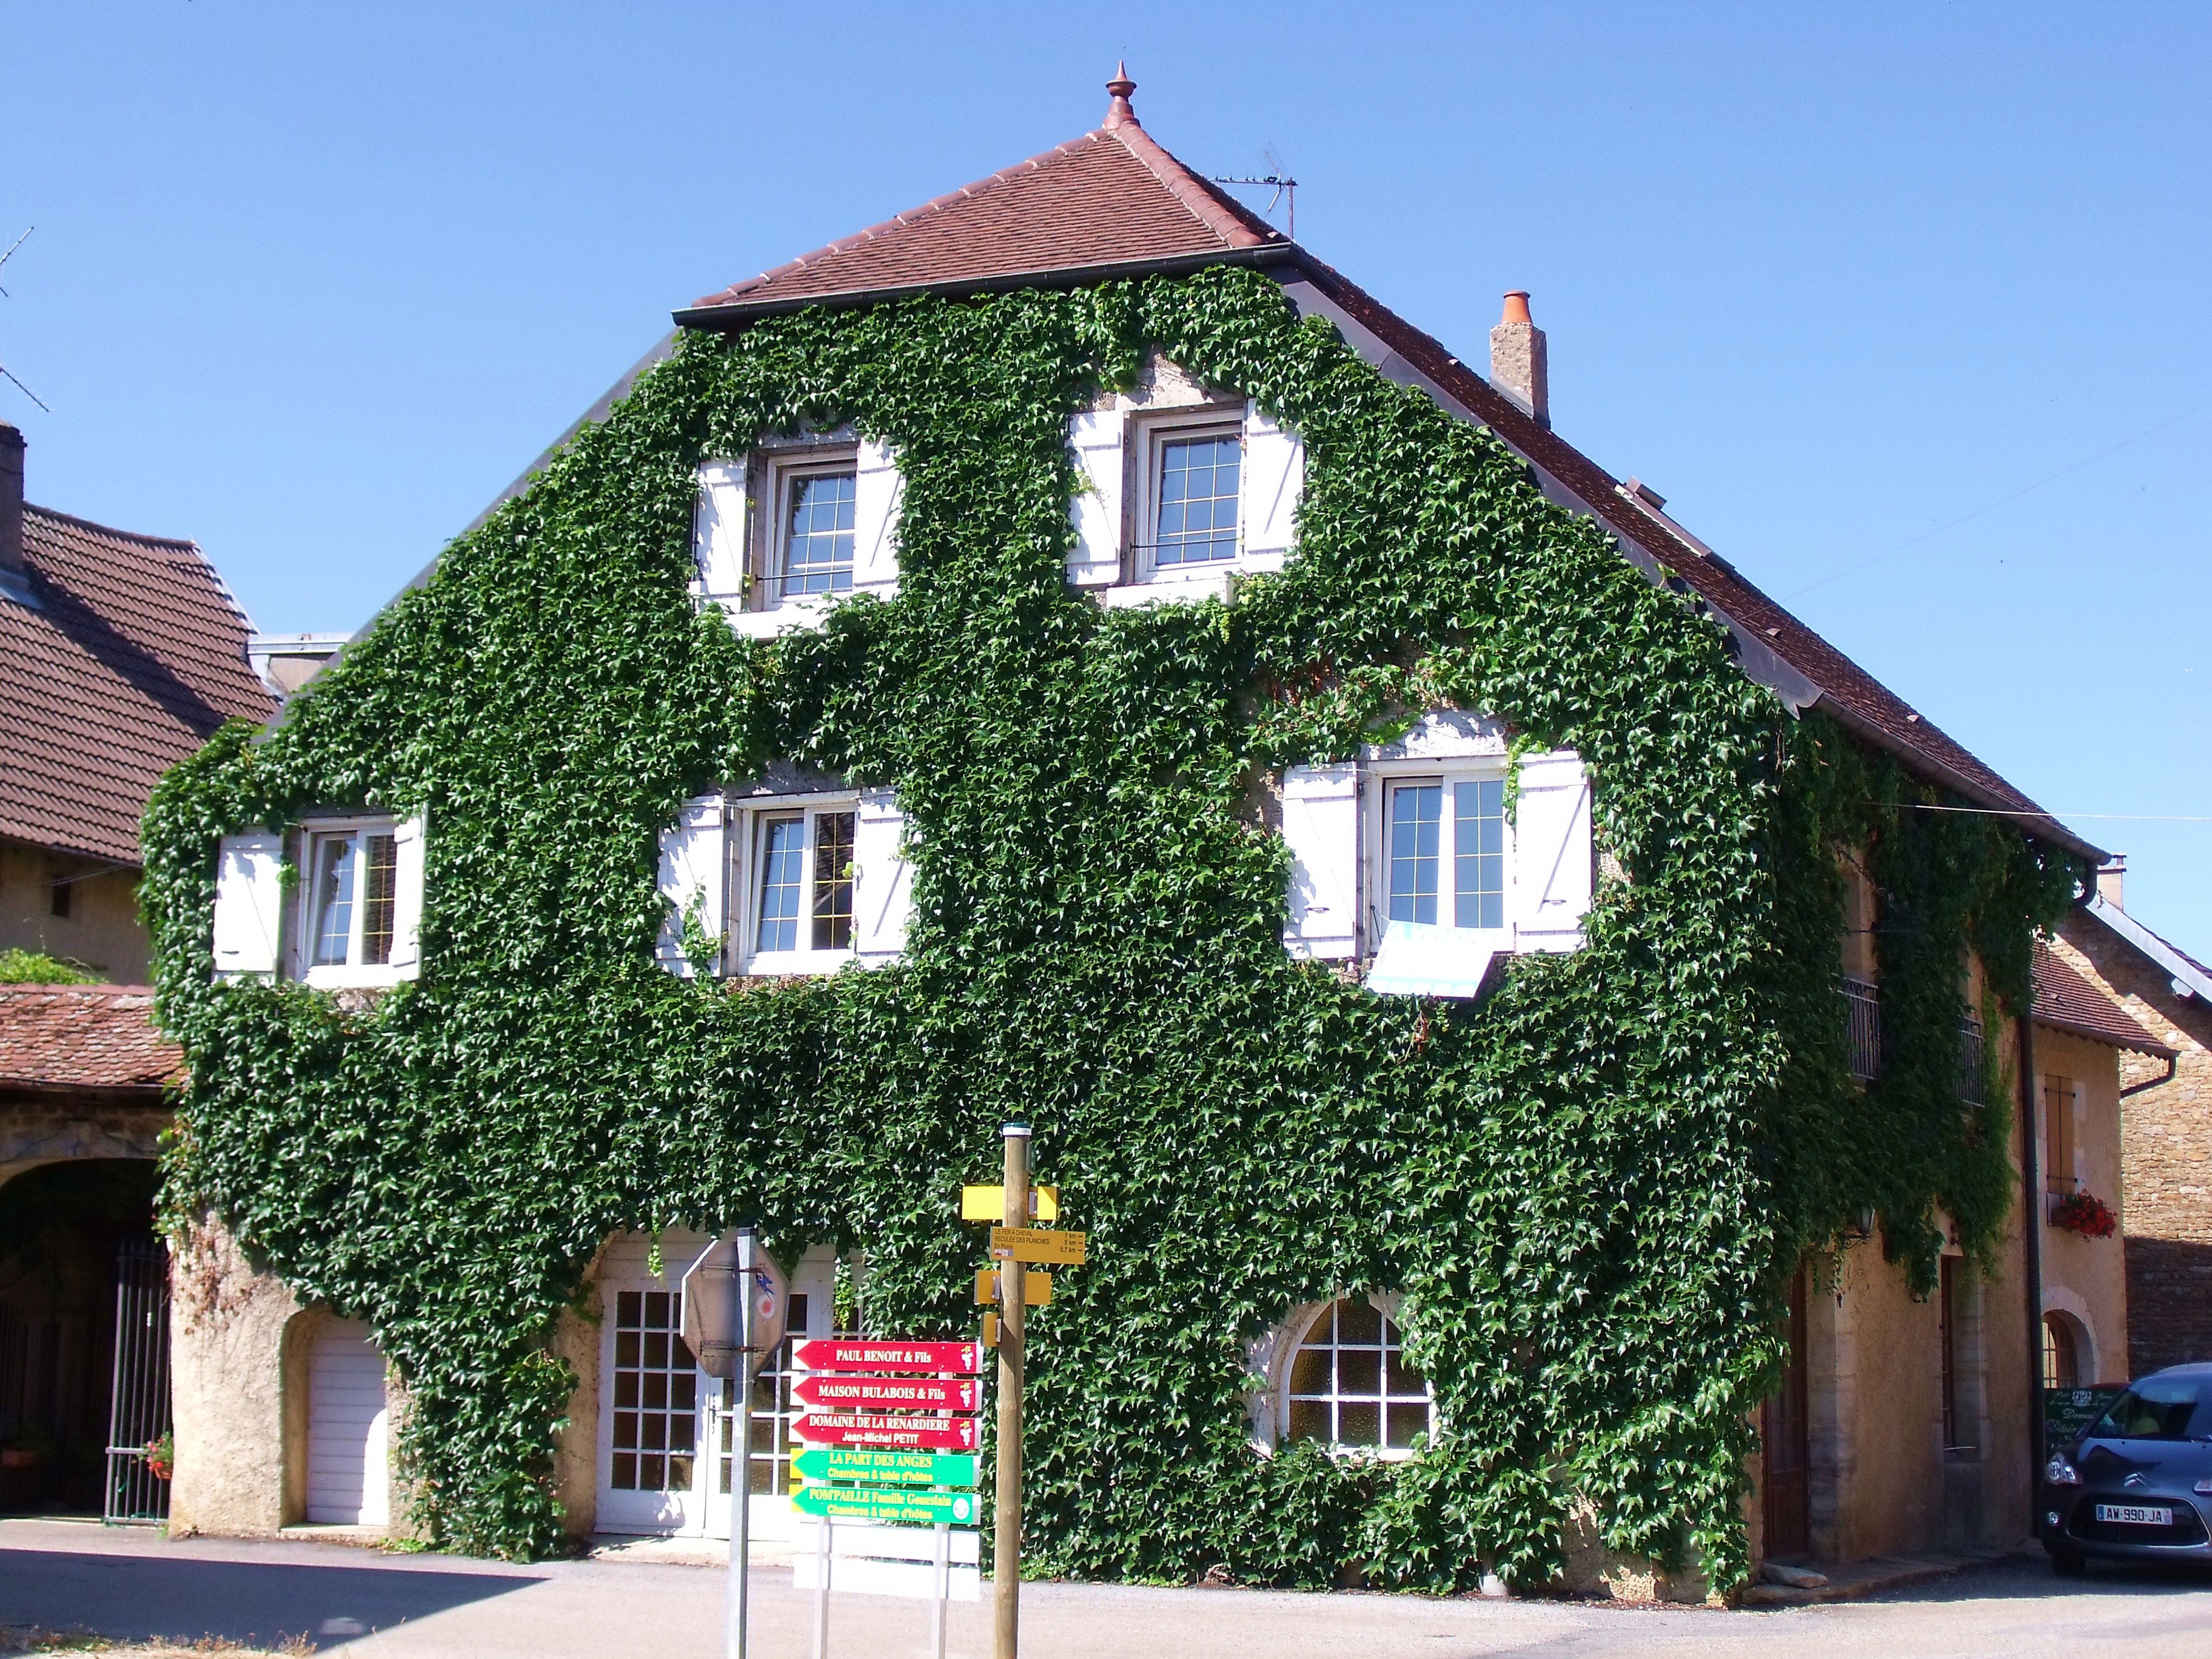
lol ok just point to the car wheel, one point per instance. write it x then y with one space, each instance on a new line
2069 1563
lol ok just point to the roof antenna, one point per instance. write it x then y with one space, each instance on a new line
4 369
1286 188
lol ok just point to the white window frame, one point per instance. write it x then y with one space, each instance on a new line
1275 1359
1153 433
1381 778
774 472
747 819
352 973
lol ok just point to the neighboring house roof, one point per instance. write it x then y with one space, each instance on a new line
2065 1001
2190 977
83 1037
132 654
1113 202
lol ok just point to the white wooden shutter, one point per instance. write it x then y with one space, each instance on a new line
249 903
407 898
692 873
1096 438
1274 472
882 879
1552 853
1320 826
877 492
718 534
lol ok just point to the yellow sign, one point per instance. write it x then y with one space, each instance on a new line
1036 1288
990 1330
989 1203
1045 1244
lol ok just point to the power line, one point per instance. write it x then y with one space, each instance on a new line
2044 812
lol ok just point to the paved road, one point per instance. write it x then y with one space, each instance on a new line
370 1606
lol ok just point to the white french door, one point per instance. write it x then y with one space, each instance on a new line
666 1429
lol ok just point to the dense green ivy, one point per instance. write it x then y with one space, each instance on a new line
1590 1187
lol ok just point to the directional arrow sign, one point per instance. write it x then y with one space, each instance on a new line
1047 1245
879 1393
913 1509
837 1353
953 1434
989 1203
883 1468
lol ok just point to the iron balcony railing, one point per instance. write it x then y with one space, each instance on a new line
1970 1058
1863 1018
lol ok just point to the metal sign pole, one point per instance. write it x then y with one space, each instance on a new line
944 1590
823 1552
741 1286
1007 1557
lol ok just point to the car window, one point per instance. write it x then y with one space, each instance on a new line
2174 1408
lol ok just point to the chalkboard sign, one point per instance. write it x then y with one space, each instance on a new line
2067 1412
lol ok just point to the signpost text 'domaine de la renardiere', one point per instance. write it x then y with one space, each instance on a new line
892 1433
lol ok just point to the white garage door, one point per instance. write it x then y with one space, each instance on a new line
347 1423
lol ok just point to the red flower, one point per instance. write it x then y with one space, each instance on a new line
2085 1214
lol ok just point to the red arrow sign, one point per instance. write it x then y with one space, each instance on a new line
831 1354
904 1433
877 1393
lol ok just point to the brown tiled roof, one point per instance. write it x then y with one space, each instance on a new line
2065 1001
1113 201
83 1037
134 653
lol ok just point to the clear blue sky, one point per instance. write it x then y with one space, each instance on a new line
1920 284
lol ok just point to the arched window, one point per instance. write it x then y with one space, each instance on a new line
1349 1385
2061 1354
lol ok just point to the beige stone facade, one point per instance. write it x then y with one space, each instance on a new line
101 932
2166 1197
2085 1281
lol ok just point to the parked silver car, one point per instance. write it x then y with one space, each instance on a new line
2137 1485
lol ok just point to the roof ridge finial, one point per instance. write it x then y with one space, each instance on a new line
1118 112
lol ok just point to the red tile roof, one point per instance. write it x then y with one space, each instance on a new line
1114 202
134 653
83 1037
2065 1001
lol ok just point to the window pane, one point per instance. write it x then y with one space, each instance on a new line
1402 1378
833 881
627 1305
1478 853
1359 1424
1416 811
379 891
783 882
656 1391
1406 1421
625 1471
333 929
1198 500
1357 1321
1309 1420
1359 1371
1309 1371
817 546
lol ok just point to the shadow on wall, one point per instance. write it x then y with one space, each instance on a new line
2169 1303
256 1603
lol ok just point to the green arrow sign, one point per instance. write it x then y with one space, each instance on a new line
884 1468
912 1508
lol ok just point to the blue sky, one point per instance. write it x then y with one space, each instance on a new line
1902 307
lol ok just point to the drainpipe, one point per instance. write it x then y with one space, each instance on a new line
2173 1065
2032 1229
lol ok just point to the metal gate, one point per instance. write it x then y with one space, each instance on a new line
138 1419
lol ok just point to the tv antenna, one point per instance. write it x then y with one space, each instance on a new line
4 369
1286 188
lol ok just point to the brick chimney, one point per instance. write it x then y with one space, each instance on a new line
1517 359
2112 880
11 501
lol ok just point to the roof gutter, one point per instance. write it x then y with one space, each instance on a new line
736 313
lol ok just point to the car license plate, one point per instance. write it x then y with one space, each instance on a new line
2134 1515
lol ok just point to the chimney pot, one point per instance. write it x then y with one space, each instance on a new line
1518 366
11 500
2112 881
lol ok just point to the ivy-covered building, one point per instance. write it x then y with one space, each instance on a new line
1475 966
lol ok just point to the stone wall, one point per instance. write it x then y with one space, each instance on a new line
34 1131
2165 1207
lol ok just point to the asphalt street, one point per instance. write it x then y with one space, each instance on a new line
128 1582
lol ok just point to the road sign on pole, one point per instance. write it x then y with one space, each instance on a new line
989 1203
884 1467
843 1353
952 1434
1036 1287
1042 1244
897 1507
